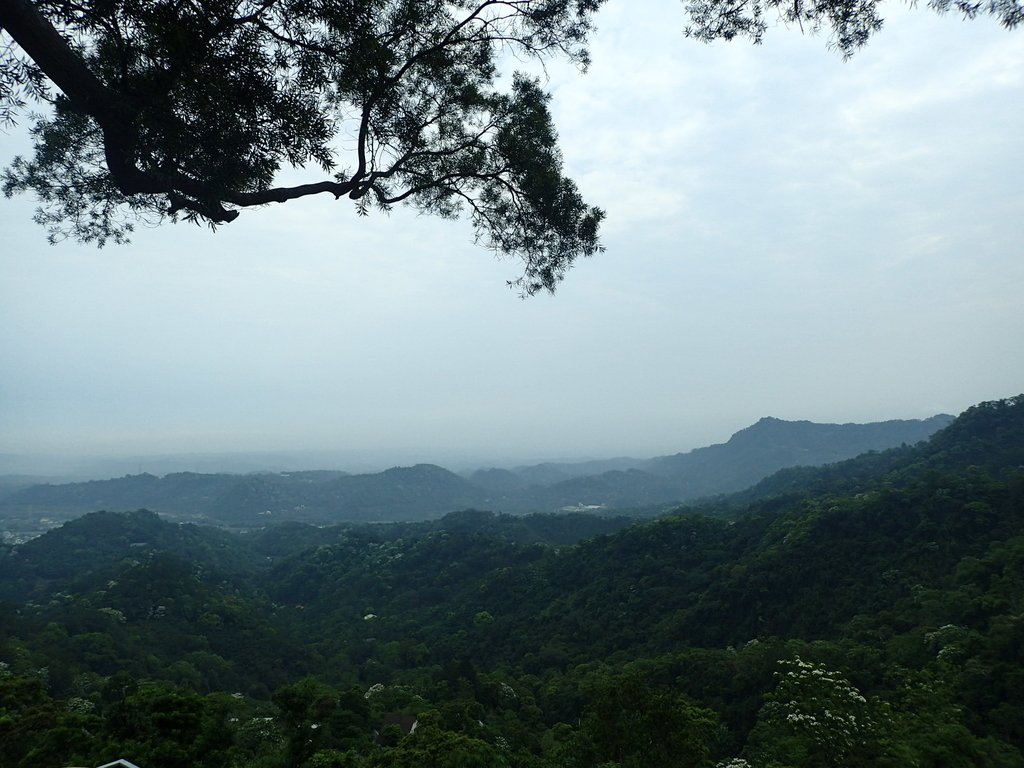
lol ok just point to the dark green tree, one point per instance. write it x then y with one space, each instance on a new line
162 725
170 109
317 718
633 725
431 746
37 730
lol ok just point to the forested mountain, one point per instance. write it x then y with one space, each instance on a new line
427 491
71 556
865 613
748 456
773 444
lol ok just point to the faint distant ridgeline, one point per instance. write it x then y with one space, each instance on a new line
426 491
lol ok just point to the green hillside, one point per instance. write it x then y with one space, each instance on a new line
867 613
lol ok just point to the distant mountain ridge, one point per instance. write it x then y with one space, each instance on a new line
771 444
426 491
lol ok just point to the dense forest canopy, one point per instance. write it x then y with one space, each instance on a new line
865 613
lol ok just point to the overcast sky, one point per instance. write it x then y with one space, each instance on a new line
788 234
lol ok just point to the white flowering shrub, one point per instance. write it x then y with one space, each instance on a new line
115 614
814 716
79 705
950 642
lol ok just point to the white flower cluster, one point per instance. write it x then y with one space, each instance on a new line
373 690
79 705
821 705
948 641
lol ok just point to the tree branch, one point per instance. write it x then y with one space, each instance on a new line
284 194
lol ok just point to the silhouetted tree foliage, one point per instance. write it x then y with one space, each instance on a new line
182 109
168 108
848 23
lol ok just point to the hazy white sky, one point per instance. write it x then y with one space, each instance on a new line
788 234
